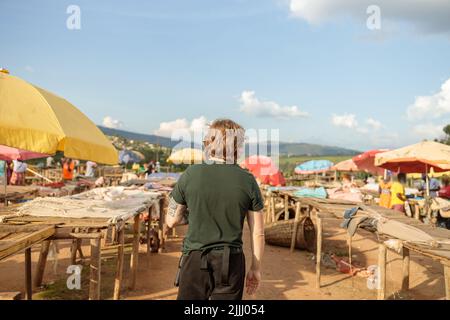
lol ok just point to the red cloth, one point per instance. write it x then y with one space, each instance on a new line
445 192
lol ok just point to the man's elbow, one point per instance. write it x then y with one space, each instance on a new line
170 222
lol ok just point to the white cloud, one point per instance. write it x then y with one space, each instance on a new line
112 123
349 121
166 129
430 16
428 130
345 121
433 106
374 124
251 105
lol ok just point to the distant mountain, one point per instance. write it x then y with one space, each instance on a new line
306 149
150 138
285 148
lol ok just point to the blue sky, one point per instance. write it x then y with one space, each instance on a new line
264 63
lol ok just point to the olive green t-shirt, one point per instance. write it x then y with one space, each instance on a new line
218 197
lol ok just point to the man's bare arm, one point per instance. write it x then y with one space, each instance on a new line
255 222
176 214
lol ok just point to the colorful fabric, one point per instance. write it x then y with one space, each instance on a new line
385 194
397 188
311 193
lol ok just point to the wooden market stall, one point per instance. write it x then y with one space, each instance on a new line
89 215
412 234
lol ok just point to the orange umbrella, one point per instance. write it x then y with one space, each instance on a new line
346 165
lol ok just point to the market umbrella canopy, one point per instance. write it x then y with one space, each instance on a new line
34 119
9 153
186 156
314 166
416 158
346 165
264 170
366 161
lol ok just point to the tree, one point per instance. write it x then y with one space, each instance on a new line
446 130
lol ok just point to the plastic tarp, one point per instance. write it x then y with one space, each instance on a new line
313 166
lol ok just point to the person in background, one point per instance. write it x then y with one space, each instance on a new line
444 192
347 183
151 167
433 183
18 176
157 167
398 196
90 169
385 192
68 169
9 171
49 162
219 195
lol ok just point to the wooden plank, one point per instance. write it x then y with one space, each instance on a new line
286 207
119 267
40 268
11 247
382 253
10 295
95 268
405 273
447 281
318 251
28 284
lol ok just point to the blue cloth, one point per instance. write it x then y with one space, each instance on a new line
348 216
311 193
314 165
163 175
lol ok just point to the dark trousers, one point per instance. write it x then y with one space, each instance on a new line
202 280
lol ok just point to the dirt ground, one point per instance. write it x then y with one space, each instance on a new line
285 275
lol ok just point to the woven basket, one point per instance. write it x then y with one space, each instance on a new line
280 233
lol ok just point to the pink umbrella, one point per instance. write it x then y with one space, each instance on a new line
9 153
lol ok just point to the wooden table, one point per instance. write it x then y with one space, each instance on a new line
15 238
280 202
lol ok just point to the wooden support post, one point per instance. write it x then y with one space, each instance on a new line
73 252
286 207
447 281
135 253
119 267
297 219
416 211
162 220
405 277
318 251
149 228
382 253
28 284
95 266
40 268
272 206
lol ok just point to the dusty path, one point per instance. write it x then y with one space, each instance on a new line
285 275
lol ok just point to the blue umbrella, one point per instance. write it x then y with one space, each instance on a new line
128 156
313 166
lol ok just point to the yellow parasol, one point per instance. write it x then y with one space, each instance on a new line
186 156
34 119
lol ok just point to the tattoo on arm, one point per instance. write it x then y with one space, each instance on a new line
172 208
